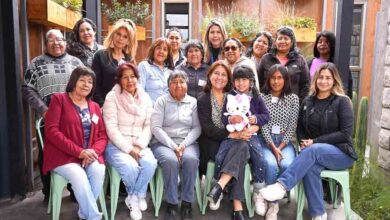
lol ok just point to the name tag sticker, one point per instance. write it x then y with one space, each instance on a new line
201 82
95 118
275 129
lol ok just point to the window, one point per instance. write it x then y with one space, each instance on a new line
177 15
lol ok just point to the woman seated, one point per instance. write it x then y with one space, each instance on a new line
75 139
278 150
127 111
325 126
175 126
195 69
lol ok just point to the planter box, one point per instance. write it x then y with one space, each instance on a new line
305 34
140 32
49 13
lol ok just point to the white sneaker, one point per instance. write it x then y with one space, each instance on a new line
215 206
260 204
272 213
142 204
273 192
321 217
132 203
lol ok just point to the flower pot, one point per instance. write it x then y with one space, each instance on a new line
140 32
49 13
305 34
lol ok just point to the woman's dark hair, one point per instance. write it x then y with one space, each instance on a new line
331 42
75 76
196 44
288 31
283 70
159 41
122 68
216 64
266 34
74 46
239 44
245 72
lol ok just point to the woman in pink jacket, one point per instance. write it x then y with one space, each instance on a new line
126 112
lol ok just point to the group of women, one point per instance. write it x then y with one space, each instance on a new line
169 111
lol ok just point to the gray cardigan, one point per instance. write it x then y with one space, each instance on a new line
175 122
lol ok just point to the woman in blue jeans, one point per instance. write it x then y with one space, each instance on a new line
325 133
278 150
126 112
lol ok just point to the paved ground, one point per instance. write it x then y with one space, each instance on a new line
33 208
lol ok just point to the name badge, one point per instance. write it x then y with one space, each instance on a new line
275 129
95 118
201 82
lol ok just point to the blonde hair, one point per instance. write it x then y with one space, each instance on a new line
207 47
337 88
129 26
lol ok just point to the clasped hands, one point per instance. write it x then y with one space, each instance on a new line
88 156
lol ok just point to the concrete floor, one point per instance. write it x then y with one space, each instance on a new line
33 208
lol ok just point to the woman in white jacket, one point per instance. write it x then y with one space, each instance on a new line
126 112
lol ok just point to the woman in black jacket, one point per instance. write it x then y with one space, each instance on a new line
325 133
285 52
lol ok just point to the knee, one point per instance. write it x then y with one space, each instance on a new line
190 160
149 163
170 162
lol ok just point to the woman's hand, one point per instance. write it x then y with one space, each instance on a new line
235 119
88 156
277 153
179 151
252 119
306 143
135 153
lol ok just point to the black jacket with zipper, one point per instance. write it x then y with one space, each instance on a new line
336 125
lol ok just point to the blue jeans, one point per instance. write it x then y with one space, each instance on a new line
167 159
256 157
135 175
308 166
272 168
87 184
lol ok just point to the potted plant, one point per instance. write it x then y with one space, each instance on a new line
137 12
61 13
304 28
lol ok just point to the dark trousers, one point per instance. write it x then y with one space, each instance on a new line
231 159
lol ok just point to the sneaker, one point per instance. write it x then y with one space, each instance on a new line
272 213
215 205
273 192
321 217
142 204
132 203
260 203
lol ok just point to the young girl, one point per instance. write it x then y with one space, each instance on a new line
244 83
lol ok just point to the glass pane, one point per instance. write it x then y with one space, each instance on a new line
355 81
177 20
356 35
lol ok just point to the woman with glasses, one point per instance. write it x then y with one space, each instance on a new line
213 39
285 52
121 46
233 54
259 46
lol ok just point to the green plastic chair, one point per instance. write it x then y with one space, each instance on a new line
342 177
157 191
247 183
57 185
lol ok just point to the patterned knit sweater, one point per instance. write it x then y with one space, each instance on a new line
45 76
283 113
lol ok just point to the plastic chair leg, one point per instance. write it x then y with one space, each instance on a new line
114 190
103 207
300 200
347 201
209 177
159 190
247 191
56 188
198 192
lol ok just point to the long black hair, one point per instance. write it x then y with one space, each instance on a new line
245 72
283 70
331 42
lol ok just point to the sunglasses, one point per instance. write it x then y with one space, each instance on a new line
233 48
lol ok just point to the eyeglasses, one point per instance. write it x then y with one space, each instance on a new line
53 40
233 48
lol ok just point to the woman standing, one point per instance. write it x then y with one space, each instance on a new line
213 39
127 111
278 150
323 51
285 52
325 134
121 46
175 39
259 46
75 139
82 43
155 70
195 68
174 144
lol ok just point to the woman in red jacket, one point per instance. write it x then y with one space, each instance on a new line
75 139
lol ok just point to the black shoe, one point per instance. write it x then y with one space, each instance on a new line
186 210
237 215
214 193
171 212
